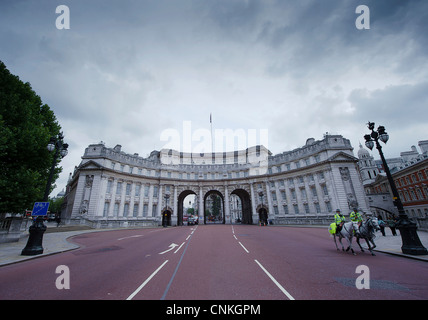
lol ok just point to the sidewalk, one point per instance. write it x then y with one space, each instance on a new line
55 241
392 244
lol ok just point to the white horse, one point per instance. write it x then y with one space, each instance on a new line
347 232
367 232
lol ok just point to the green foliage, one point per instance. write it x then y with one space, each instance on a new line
26 126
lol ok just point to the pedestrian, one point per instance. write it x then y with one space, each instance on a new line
391 224
58 220
382 224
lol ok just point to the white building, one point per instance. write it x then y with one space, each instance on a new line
304 186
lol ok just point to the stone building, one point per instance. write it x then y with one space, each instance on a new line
112 188
410 174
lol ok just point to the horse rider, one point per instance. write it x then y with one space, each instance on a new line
339 218
356 218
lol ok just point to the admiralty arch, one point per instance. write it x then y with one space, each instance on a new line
112 188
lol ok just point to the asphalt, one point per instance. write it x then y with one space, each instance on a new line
56 240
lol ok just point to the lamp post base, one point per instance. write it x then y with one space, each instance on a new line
411 243
35 240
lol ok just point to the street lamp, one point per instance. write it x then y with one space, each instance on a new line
411 244
165 214
36 230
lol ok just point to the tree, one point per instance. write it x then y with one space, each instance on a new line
26 126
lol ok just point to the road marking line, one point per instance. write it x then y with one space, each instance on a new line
289 296
146 282
233 230
136 236
235 237
175 272
188 237
243 247
179 247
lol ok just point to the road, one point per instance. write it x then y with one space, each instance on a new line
213 262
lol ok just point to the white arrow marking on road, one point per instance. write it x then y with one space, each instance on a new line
171 247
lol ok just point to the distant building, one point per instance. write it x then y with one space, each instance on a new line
410 173
304 186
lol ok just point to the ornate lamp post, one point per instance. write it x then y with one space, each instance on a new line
36 230
411 244
165 214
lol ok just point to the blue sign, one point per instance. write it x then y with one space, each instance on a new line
40 209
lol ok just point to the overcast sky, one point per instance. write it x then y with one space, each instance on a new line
131 72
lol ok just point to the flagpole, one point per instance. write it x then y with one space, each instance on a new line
212 140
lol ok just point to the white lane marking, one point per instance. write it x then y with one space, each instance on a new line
146 282
289 296
235 237
171 247
233 230
179 247
136 236
188 237
243 247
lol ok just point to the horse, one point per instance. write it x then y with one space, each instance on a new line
347 232
366 232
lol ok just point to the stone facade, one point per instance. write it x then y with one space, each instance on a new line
112 188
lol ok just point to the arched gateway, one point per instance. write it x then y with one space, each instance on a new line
111 188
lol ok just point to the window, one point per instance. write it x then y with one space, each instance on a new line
116 209
137 190
303 190
109 185
126 209
128 189
325 190
106 209
135 210
145 210
296 208
306 207
285 207
119 188
274 196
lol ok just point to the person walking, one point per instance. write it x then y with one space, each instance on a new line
382 224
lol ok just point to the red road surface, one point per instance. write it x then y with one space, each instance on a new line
214 262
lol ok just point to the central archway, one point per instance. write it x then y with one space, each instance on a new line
247 215
214 207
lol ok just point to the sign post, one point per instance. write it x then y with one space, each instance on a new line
34 243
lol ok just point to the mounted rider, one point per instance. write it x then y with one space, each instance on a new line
339 218
356 218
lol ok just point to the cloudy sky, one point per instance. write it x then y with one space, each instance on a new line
133 72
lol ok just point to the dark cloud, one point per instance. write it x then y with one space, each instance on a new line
128 69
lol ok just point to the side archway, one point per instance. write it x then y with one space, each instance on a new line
247 214
180 205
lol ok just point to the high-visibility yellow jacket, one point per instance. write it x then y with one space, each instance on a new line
338 218
355 216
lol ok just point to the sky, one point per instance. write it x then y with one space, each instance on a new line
148 74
